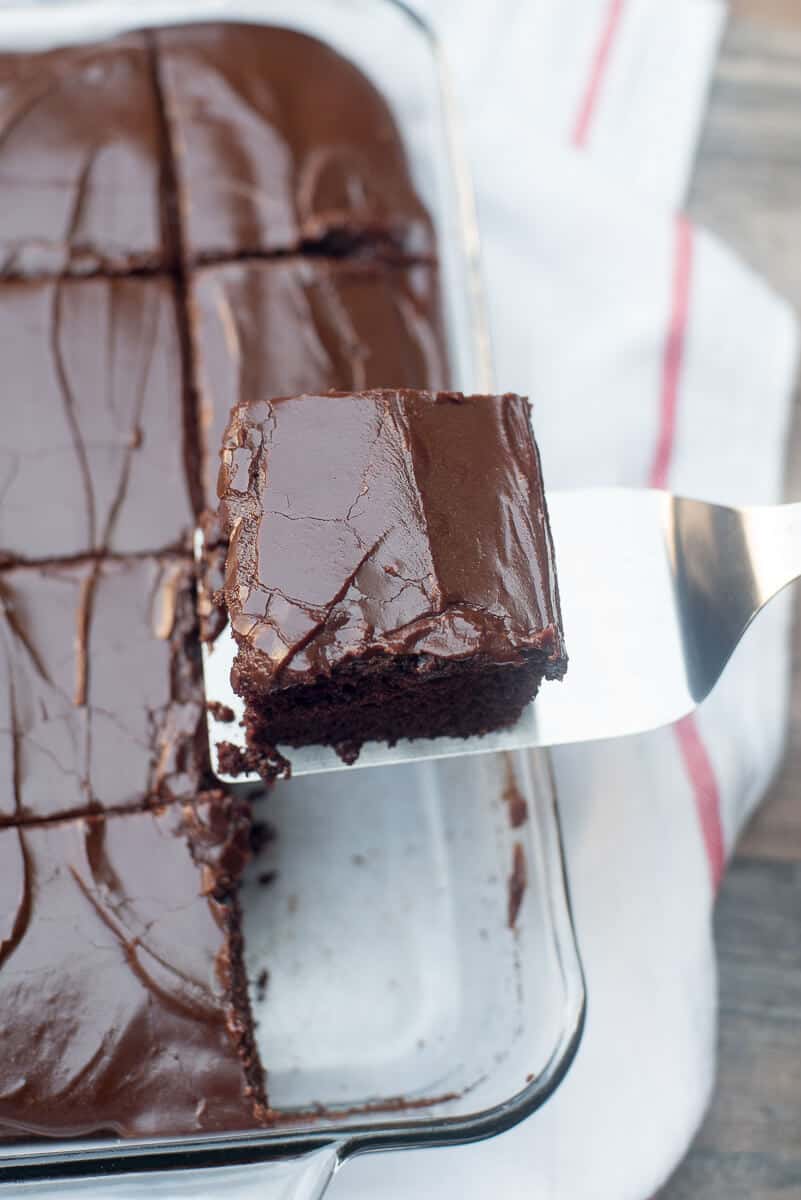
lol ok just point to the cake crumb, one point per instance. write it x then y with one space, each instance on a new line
349 750
266 878
267 762
261 834
221 712
513 798
517 884
262 979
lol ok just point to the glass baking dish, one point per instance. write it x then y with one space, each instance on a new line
425 986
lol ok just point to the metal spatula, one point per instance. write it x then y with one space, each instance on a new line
656 592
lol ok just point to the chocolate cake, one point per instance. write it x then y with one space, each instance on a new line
137 176
293 325
390 570
81 161
122 985
101 697
93 417
281 144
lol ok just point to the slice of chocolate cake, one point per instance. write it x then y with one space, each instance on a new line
81 161
122 983
92 451
101 696
280 143
390 571
294 325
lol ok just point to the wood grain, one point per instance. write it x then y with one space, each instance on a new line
747 188
782 13
750 1145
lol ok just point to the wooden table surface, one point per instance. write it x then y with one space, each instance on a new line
747 188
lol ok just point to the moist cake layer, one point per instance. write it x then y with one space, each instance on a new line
382 701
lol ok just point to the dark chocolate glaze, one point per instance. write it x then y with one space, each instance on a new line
80 161
307 325
385 522
92 446
101 698
119 965
279 142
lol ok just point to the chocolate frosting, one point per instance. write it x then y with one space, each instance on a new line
263 329
394 522
115 960
92 449
101 700
279 142
80 161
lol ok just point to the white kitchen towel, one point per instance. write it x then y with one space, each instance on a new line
653 357
624 80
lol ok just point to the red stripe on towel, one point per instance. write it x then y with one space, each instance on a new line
600 62
707 797
673 354
695 756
